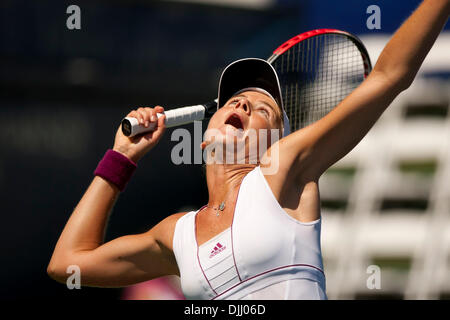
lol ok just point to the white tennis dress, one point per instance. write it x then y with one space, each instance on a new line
265 254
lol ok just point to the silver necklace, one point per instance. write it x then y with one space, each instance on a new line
221 207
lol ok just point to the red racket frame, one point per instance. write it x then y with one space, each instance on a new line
309 34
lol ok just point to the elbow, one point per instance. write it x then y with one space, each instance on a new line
404 82
57 272
60 268
66 268
397 80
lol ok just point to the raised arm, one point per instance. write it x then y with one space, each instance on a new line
125 260
318 146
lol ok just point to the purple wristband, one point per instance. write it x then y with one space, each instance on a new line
116 168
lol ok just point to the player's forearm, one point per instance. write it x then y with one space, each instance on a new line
86 226
403 55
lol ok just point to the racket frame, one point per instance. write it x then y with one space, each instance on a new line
312 33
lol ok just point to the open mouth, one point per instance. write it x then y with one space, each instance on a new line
235 121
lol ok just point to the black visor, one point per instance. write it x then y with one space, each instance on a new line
250 72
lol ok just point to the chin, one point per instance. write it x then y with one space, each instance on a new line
227 144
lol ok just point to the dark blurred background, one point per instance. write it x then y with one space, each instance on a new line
63 93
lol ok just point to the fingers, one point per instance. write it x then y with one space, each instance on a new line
161 120
159 109
161 126
146 115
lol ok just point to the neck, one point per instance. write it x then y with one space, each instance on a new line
223 179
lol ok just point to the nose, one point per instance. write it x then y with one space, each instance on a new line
244 105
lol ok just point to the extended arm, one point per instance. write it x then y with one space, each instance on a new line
318 146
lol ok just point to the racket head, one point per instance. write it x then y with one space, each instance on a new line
317 70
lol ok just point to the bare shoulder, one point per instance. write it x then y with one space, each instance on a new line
280 164
163 232
296 191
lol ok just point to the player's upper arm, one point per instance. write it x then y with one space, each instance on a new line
126 260
308 152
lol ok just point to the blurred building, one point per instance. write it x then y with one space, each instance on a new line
387 203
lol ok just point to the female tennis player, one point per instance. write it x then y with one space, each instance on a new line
259 235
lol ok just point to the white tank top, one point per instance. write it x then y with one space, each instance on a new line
265 254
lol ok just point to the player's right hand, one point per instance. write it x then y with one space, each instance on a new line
136 147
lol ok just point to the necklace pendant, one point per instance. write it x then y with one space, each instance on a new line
222 206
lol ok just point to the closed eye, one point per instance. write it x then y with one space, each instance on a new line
264 111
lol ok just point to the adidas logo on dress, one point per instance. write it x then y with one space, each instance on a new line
217 249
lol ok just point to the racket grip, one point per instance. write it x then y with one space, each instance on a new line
174 117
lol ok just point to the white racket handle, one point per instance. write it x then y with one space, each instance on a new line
174 117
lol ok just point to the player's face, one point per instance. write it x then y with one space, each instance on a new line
248 110
246 118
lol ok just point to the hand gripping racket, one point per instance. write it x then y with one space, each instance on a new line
316 69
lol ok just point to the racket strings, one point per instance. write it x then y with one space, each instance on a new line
316 75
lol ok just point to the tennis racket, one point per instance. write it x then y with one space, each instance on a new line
316 69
